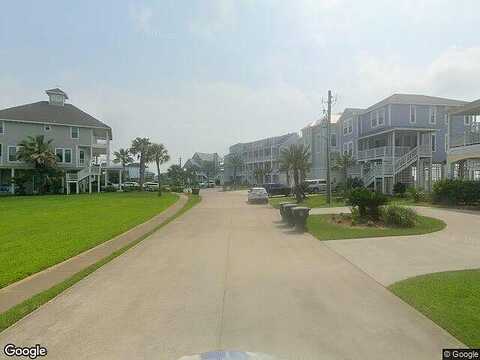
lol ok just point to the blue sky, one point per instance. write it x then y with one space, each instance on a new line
201 75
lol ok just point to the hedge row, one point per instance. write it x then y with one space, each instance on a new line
457 192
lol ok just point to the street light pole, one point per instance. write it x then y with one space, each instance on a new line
329 118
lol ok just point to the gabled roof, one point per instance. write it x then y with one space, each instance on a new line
206 156
472 108
43 112
415 99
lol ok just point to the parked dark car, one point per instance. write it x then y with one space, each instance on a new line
277 189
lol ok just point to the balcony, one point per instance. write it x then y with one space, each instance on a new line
381 152
99 142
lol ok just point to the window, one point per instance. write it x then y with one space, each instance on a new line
2 127
434 142
413 114
446 142
350 126
46 127
446 119
59 155
75 132
347 126
373 119
381 117
81 156
467 119
345 150
350 148
333 140
12 153
433 115
68 156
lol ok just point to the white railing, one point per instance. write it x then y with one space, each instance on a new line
382 151
72 177
406 159
85 172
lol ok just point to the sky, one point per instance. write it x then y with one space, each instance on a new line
201 75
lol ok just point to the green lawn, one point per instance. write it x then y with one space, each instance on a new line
451 299
11 316
40 231
321 227
312 201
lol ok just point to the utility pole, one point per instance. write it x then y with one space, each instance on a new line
329 119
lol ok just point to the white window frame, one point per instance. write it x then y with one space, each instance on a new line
334 135
2 128
47 127
345 148
446 119
350 148
381 111
414 108
64 157
71 132
373 116
434 148
466 119
446 143
432 111
80 158
8 153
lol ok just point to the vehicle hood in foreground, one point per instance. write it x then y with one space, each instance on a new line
229 355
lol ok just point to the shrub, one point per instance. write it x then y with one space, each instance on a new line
399 189
366 202
110 188
401 216
354 183
415 194
177 189
131 188
457 192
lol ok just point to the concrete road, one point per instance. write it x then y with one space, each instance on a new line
228 275
390 259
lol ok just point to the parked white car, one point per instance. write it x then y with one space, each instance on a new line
131 184
257 195
316 185
150 186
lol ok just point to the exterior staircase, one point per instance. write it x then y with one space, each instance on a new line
388 168
85 174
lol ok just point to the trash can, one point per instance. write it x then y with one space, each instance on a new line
287 209
282 209
300 215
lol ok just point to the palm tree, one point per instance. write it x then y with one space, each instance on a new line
160 155
124 157
296 158
235 161
141 149
38 152
343 163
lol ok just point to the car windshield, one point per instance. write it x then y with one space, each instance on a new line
217 179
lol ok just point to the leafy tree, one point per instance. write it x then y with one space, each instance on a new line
296 159
159 154
124 157
235 162
38 152
342 163
141 149
191 175
176 175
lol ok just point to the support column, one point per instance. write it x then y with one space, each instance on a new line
68 188
430 173
120 179
419 172
99 181
106 177
12 186
89 184
77 187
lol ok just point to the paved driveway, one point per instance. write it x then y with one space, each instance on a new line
390 259
228 275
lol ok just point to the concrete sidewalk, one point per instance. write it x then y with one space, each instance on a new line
24 289
227 275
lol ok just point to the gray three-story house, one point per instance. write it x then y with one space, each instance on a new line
80 142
